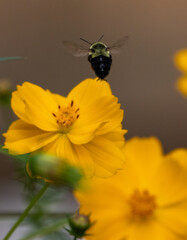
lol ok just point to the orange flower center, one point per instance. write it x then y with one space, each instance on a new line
142 204
66 116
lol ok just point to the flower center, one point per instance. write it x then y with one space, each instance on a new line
66 116
142 204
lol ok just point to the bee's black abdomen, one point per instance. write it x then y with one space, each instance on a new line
101 65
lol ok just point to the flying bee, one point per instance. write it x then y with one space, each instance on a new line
99 55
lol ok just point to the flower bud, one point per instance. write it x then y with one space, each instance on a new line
53 169
79 224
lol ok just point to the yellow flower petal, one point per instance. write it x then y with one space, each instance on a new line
105 109
85 161
75 155
174 218
94 117
179 155
105 155
58 98
166 177
116 231
100 171
126 179
89 90
116 136
96 187
182 85
150 230
62 148
101 110
39 106
139 153
18 106
23 138
181 60
83 133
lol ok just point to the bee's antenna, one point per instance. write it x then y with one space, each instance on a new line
85 41
101 38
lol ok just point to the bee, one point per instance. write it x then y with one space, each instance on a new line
99 55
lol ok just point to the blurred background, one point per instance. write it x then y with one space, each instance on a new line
143 76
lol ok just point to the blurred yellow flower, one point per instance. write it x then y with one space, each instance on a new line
179 155
180 60
84 127
147 200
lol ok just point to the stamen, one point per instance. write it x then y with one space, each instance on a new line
66 116
142 204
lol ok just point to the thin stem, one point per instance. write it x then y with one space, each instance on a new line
25 213
17 214
46 230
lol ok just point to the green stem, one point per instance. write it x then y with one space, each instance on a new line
17 214
25 213
46 230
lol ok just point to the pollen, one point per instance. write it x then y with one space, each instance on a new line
66 116
142 204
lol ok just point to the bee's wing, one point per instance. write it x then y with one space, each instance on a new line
75 49
116 47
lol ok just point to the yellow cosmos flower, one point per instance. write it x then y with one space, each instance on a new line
146 200
179 155
181 63
84 127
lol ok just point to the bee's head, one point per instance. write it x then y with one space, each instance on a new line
97 49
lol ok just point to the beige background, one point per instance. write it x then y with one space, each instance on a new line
142 76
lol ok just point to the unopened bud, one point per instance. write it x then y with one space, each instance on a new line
79 224
53 169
